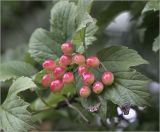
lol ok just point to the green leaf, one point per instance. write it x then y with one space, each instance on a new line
13 112
63 20
84 6
151 5
68 89
129 88
84 34
42 45
86 27
38 76
156 44
120 58
103 108
14 69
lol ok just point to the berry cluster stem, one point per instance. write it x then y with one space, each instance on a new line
41 98
77 110
103 66
84 45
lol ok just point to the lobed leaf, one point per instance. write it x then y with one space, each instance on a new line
43 46
129 88
63 20
14 69
13 112
120 58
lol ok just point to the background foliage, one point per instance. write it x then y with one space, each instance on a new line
141 35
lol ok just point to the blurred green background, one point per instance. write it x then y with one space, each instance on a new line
120 23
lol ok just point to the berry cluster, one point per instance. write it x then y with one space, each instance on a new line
58 75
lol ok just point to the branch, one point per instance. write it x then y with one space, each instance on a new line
77 110
39 95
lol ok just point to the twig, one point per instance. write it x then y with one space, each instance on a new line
77 110
42 110
39 95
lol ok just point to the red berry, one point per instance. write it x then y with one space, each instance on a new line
88 78
68 77
97 87
67 48
58 71
78 59
56 85
84 91
82 69
107 78
65 60
92 61
49 64
46 80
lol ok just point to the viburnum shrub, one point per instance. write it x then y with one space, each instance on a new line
65 72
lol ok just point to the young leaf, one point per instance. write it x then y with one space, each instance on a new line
14 69
84 34
120 58
63 20
13 112
71 21
151 5
42 46
156 44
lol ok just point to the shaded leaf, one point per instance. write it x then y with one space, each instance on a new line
14 69
13 112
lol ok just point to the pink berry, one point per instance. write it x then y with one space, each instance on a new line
88 78
67 48
78 59
92 61
107 78
84 91
49 64
58 71
56 85
97 87
65 60
68 77
82 69
46 80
